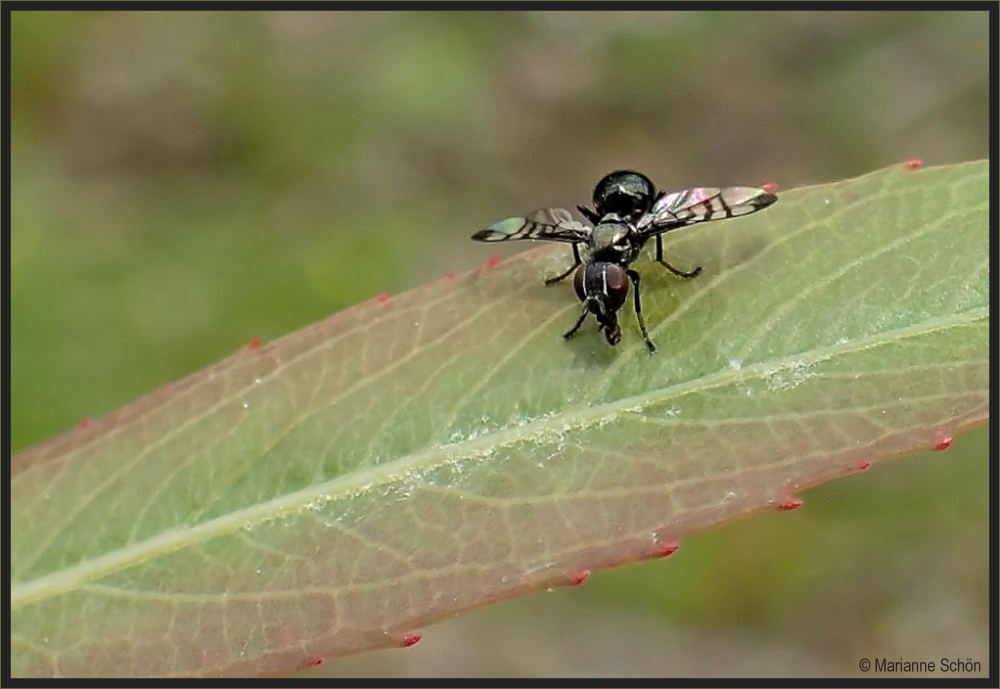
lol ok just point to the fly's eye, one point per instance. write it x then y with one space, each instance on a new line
615 286
578 282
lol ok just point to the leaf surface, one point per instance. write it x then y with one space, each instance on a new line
411 458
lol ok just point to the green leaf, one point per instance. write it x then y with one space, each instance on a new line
411 458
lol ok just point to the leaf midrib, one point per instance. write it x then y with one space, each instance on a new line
57 583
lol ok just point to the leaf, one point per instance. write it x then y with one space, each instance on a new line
411 458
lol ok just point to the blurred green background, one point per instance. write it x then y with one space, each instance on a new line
184 182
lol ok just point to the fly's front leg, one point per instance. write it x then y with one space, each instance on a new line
634 276
576 258
675 271
579 322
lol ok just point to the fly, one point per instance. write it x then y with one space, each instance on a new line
628 211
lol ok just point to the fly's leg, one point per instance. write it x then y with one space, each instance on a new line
590 215
675 271
557 278
579 322
638 310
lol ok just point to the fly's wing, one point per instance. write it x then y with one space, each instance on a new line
701 205
552 224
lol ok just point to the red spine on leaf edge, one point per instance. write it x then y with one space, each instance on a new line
942 441
667 549
409 640
790 504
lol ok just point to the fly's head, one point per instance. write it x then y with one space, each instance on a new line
603 288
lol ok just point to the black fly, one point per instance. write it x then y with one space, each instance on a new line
627 212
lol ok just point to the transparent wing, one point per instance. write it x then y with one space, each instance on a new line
552 224
701 205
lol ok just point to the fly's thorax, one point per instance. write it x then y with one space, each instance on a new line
612 241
